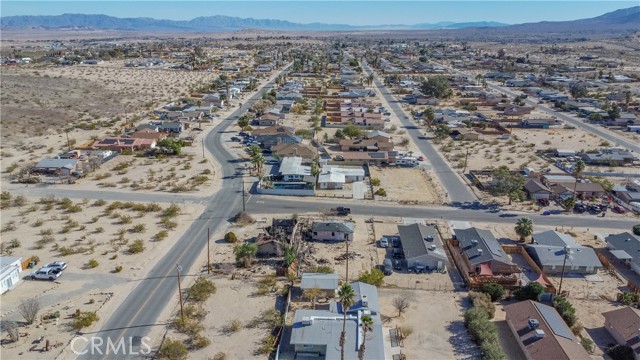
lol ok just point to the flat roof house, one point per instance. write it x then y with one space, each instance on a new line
61 167
422 245
10 267
626 248
549 249
624 326
327 283
292 170
332 230
541 332
483 253
316 333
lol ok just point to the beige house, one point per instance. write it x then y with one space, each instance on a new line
624 325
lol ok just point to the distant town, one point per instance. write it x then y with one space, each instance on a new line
265 194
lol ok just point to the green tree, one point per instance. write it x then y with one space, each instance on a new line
174 145
367 325
230 237
339 134
245 254
494 290
568 203
524 228
621 352
429 115
347 297
577 170
505 183
243 122
351 131
437 87
261 107
531 291
595 117
258 161
578 90
312 294
441 132
614 112
373 277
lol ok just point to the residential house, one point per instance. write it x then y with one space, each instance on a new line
274 129
626 248
213 100
367 157
293 96
365 145
268 246
267 120
378 136
539 123
268 141
625 119
514 110
332 230
465 134
327 283
10 267
306 152
60 167
482 252
317 333
562 186
536 190
119 144
608 157
148 134
292 170
542 333
626 193
551 249
334 177
285 105
624 326
422 246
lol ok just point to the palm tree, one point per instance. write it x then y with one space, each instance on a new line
258 160
524 228
579 168
370 79
347 299
367 325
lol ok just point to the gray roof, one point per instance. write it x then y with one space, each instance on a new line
293 166
337 226
480 246
546 255
554 238
320 281
323 327
57 163
626 242
416 240
535 186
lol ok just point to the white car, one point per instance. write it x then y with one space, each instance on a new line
384 242
60 265
46 274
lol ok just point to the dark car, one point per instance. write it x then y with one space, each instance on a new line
236 139
197 129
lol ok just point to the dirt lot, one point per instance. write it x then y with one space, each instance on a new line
408 185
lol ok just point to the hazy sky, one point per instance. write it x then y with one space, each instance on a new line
336 12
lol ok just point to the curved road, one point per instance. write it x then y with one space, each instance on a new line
139 312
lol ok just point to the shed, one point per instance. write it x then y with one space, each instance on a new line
10 267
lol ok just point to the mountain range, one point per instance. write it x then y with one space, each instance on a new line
623 19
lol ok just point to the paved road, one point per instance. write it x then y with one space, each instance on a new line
280 205
458 190
140 310
596 130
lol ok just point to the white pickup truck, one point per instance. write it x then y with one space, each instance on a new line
46 274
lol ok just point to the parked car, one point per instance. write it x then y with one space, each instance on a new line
388 266
384 242
46 274
197 129
619 209
272 162
236 139
420 158
395 242
60 265
543 202
242 133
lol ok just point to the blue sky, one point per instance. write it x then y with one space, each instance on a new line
335 12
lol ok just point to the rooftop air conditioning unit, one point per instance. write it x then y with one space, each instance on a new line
533 324
479 251
474 242
433 247
307 321
539 334
365 300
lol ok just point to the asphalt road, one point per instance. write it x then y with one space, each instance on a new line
457 189
140 310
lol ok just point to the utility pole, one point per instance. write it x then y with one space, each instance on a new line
243 201
203 146
465 161
68 143
346 278
208 251
179 268
567 248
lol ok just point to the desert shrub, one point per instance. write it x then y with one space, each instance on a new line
220 356
93 263
171 211
200 342
230 237
195 312
173 350
99 230
117 269
322 269
481 329
74 209
19 200
12 330
138 228
84 319
373 277
161 235
201 289
168 224
29 309
266 345
242 218
495 291
381 192
483 302
531 291
187 326
125 219
99 202
565 309
136 247
232 327
406 331
375 182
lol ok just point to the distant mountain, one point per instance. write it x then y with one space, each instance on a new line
208 23
624 19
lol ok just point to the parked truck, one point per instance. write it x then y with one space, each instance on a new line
341 211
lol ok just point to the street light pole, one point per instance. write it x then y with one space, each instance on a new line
179 268
208 251
243 195
564 262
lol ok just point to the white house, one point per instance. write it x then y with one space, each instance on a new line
10 267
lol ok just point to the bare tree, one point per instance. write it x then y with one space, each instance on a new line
29 309
401 303
312 294
12 330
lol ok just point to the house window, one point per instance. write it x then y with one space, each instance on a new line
333 234
305 346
